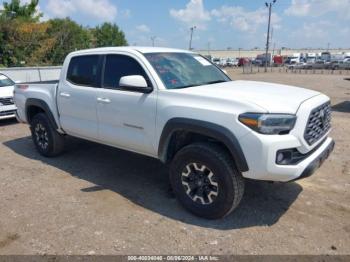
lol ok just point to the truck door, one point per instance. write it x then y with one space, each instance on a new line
77 97
126 118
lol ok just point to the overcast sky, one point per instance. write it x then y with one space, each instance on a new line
222 23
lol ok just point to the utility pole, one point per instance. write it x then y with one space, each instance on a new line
191 36
153 39
269 6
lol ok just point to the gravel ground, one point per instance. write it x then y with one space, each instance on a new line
98 200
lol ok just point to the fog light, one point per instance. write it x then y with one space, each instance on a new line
280 157
284 157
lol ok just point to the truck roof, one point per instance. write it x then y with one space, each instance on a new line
141 49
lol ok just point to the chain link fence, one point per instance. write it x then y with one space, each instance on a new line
252 69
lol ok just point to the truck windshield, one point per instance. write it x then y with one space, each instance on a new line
5 81
181 70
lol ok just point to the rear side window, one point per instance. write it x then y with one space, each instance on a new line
83 70
117 66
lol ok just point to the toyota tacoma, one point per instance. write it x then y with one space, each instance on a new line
180 108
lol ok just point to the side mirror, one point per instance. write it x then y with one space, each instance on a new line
135 83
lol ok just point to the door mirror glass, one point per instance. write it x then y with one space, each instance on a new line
135 83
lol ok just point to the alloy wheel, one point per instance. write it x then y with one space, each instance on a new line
200 183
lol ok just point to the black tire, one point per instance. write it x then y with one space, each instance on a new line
223 198
47 140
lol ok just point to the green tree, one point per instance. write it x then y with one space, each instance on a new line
4 32
68 36
108 35
25 42
24 39
11 16
26 12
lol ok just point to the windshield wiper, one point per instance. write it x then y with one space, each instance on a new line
181 87
215 82
203 84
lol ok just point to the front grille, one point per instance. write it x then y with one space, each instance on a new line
7 113
6 101
318 124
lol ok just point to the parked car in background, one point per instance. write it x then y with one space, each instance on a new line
257 62
243 61
7 105
223 62
342 65
326 56
232 62
278 60
318 64
297 58
216 61
335 58
261 59
311 58
346 64
287 61
301 65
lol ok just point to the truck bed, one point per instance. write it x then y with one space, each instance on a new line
43 91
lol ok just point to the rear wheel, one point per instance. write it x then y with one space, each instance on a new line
47 140
205 180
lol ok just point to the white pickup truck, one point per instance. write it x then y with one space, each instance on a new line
177 106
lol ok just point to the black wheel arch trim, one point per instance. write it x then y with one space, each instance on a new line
215 131
42 105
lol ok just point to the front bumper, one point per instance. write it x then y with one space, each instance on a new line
260 152
317 162
7 112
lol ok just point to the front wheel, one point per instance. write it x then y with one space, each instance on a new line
205 180
47 140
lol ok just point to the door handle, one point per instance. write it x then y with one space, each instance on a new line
103 100
64 94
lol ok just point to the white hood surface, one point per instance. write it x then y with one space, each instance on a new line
274 98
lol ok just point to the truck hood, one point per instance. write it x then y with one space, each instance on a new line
6 91
272 98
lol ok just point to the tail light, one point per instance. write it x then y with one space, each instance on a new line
22 86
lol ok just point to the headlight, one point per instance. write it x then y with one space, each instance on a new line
270 124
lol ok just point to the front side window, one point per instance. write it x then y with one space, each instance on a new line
117 66
5 81
83 70
181 70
